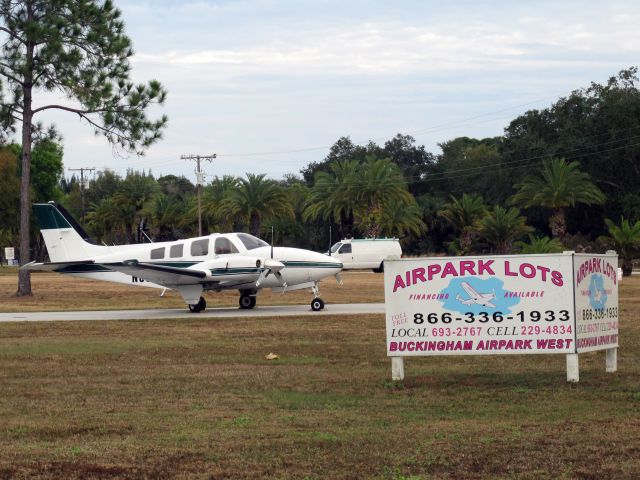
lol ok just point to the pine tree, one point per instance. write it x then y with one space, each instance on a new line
77 48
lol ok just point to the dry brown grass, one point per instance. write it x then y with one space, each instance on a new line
55 292
197 399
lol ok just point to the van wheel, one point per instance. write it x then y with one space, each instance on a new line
380 269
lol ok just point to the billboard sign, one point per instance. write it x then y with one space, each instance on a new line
596 297
553 303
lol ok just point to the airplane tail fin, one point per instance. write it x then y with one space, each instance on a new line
64 238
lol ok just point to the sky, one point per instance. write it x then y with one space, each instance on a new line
270 85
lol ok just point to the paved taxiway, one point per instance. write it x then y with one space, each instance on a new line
225 312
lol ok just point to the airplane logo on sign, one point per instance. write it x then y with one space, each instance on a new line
476 298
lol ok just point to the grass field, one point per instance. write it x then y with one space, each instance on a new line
55 292
198 399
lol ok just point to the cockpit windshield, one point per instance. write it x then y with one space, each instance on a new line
335 247
250 242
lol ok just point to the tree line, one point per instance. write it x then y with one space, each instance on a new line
564 177
471 198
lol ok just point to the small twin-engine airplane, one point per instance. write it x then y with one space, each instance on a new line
231 261
483 299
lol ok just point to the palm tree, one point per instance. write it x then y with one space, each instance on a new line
133 194
169 215
557 186
501 227
214 194
292 230
625 239
110 221
332 196
378 184
540 245
256 199
463 215
399 219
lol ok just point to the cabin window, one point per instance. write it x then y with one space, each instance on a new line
157 253
346 248
223 245
335 247
176 250
200 247
250 242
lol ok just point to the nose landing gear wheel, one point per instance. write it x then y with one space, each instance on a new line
247 301
317 304
198 307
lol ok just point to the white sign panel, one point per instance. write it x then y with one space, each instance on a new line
480 305
9 253
596 287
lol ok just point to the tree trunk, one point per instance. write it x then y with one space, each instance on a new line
346 225
255 225
24 276
466 240
558 224
128 232
627 266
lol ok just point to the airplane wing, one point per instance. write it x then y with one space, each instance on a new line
226 272
160 274
470 291
54 266
463 301
489 304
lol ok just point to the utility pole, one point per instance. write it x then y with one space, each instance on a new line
82 185
199 181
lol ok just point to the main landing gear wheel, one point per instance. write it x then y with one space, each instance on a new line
247 301
317 304
198 307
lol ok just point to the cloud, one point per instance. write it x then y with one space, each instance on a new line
265 75
395 48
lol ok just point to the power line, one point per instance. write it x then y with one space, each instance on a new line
434 128
199 181
82 186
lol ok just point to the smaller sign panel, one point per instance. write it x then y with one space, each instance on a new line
9 253
596 292
511 304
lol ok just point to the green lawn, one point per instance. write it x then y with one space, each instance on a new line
198 399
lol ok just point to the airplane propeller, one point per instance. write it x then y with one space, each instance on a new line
271 266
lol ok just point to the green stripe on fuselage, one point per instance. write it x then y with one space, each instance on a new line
234 271
296 264
91 268
176 264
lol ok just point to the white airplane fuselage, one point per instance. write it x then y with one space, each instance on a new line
220 261
300 266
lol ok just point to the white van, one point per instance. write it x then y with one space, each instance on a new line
365 252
